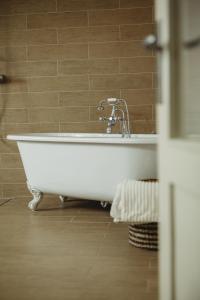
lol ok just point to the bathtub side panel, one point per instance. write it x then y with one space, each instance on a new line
87 171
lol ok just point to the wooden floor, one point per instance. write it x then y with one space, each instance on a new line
76 253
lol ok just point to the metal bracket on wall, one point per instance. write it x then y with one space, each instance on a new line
192 43
3 79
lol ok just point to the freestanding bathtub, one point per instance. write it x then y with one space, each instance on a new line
86 166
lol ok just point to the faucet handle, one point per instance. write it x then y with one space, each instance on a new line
102 118
100 107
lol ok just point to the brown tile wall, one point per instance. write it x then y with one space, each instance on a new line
62 57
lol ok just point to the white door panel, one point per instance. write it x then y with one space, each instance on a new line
179 148
185 210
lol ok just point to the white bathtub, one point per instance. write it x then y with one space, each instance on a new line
86 166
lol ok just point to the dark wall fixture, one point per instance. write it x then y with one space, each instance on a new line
3 79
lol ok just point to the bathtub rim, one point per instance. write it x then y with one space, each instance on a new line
91 138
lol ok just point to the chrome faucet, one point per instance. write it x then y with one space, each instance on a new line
114 118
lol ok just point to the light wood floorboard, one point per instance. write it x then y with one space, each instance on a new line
75 253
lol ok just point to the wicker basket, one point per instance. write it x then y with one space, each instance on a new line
144 235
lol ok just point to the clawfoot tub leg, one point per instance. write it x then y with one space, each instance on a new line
37 197
104 204
62 199
65 199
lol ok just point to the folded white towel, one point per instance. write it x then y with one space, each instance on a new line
135 201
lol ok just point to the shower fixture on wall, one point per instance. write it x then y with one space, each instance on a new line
117 108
